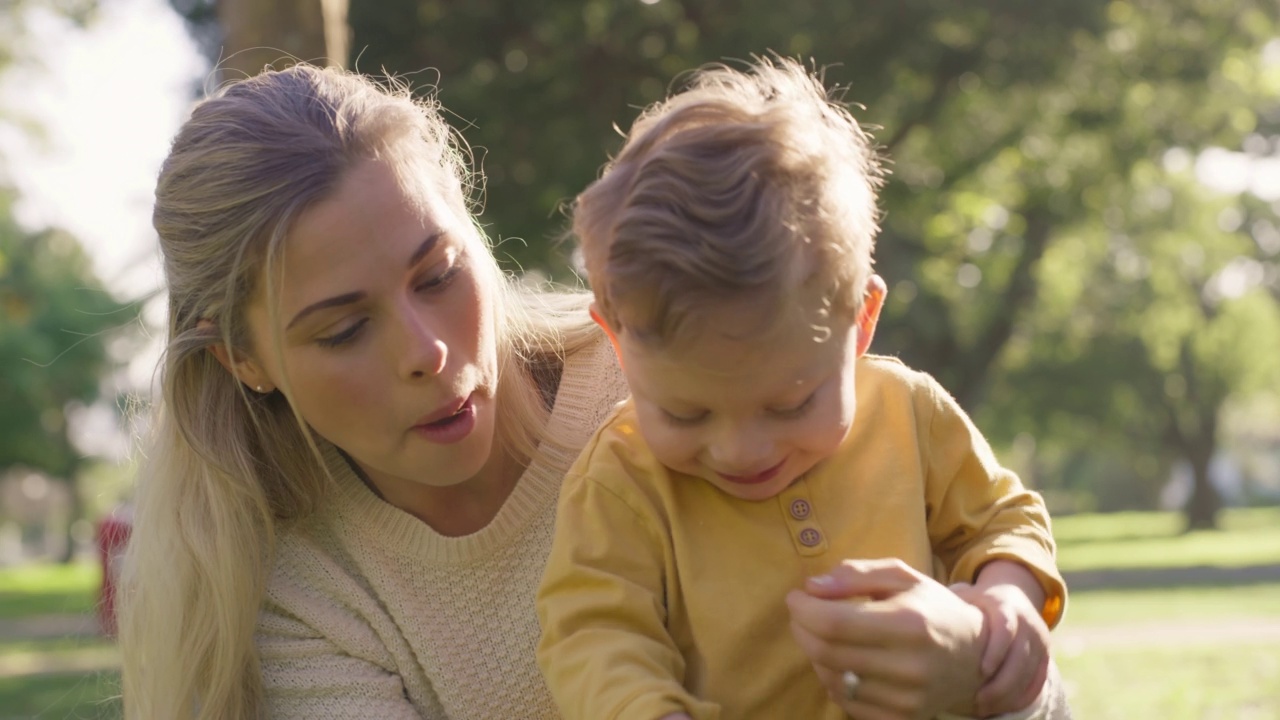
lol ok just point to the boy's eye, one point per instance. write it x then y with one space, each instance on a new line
794 412
343 337
683 420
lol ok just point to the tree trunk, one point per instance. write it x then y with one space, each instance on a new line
75 511
280 32
1203 506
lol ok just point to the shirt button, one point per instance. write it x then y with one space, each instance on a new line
810 537
800 509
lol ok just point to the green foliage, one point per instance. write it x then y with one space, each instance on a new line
55 323
1050 257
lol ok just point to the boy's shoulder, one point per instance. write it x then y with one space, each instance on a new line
890 371
616 462
616 449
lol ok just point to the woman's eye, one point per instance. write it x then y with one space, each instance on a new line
343 337
440 281
795 412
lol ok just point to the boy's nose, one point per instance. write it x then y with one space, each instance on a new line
742 452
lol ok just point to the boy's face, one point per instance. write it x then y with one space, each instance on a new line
749 416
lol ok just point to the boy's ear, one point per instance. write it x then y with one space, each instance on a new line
613 339
243 368
869 315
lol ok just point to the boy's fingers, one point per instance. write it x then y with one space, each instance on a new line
1036 686
1015 683
1000 635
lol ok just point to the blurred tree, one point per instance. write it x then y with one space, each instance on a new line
257 33
55 325
1009 125
244 36
1012 126
1145 333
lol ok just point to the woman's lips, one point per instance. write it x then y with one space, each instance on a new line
448 426
757 478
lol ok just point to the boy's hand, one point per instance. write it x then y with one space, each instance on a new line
1015 661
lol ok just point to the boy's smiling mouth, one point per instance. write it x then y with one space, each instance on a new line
755 478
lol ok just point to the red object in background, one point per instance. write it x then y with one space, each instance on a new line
113 535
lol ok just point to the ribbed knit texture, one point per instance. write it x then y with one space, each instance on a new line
371 613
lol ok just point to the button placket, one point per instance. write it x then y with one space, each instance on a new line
802 524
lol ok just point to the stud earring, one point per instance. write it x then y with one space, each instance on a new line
259 389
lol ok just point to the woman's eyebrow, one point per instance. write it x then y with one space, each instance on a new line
346 299
426 247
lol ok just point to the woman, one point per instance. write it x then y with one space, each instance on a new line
324 272
350 487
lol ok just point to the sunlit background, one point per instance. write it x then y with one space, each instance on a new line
1081 239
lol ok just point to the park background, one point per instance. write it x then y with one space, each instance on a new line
1081 240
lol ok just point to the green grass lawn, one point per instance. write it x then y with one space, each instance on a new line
1180 604
83 697
32 590
1249 536
1221 682
1198 678
49 589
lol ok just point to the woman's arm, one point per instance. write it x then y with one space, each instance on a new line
306 675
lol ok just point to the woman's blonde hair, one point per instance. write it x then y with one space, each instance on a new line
223 467
746 184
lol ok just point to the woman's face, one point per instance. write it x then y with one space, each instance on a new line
386 331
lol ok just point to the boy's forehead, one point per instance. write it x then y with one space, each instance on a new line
742 342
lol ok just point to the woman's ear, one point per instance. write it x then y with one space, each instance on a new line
613 339
243 368
869 315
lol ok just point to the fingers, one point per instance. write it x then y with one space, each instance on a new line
872 664
1018 679
875 699
1000 634
1013 691
871 623
864 578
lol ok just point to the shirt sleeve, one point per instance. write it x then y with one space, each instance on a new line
979 511
605 650
306 675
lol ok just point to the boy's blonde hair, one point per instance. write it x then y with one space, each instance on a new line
223 468
747 185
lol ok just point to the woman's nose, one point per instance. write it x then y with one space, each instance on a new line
424 354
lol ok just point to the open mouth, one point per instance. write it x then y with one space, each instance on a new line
450 428
448 420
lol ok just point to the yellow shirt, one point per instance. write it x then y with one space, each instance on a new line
663 594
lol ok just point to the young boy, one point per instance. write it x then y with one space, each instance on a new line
729 249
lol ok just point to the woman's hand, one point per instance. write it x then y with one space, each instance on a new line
914 646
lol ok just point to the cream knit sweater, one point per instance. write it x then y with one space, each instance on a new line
371 614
